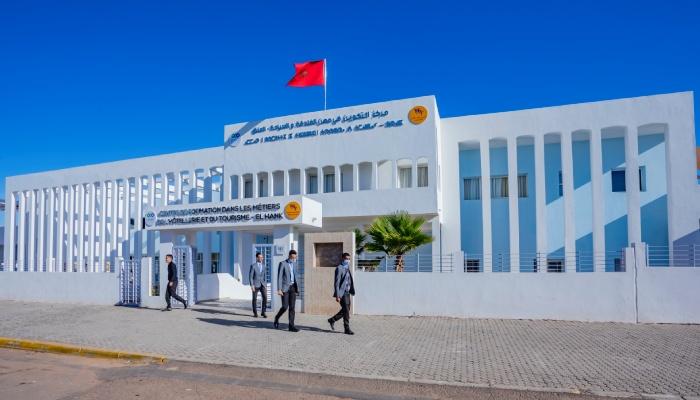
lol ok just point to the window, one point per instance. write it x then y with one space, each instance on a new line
499 186
405 177
522 185
617 178
328 183
248 189
561 184
422 176
555 265
313 184
261 188
472 265
472 188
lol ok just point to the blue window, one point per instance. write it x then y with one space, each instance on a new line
618 179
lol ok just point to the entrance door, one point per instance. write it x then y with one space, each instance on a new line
130 283
186 278
266 250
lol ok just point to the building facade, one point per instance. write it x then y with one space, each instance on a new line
556 189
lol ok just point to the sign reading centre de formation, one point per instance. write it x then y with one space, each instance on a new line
358 120
267 211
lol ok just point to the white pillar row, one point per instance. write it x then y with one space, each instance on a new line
513 212
597 200
355 177
177 180
285 183
81 228
21 232
70 247
634 224
41 232
31 235
91 227
485 153
50 237
540 204
103 226
126 219
255 179
337 180
138 216
165 188
61 229
114 229
10 255
567 171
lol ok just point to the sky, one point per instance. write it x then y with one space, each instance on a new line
84 82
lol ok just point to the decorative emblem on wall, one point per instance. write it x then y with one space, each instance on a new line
417 115
292 210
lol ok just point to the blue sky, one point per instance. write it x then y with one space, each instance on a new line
87 82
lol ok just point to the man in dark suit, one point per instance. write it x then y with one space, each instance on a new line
287 288
172 283
258 278
343 288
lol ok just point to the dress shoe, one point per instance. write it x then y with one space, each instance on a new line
276 324
332 323
263 315
168 309
255 315
349 332
293 329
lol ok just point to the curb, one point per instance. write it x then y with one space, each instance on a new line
61 348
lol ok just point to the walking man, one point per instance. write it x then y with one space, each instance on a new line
288 289
344 288
172 283
258 277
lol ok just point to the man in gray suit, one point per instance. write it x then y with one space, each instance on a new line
288 289
258 278
343 288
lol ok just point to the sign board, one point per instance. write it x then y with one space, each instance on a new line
267 211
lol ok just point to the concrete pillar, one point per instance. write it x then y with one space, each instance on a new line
165 188
394 174
138 216
10 232
70 247
22 232
151 190
61 229
256 182
126 220
634 225
356 177
270 187
103 227
567 172
50 237
114 229
91 227
31 236
207 186
41 235
241 187
81 228
285 184
414 174
540 204
177 178
485 153
151 235
192 195
337 180
513 212
302 181
375 175
598 202
227 185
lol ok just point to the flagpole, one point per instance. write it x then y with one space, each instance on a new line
325 84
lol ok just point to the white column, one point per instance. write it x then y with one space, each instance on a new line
21 232
70 251
91 227
255 185
206 252
81 228
302 181
513 212
414 174
138 228
103 226
597 200
356 177
285 184
192 195
395 175
50 237
338 187
41 235
270 182
10 256
567 172
126 220
540 204
31 256
151 191
177 197
61 229
634 225
165 187
485 153
114 230
375 175
151 235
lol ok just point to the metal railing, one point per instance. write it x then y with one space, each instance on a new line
682 255
409 262
582 261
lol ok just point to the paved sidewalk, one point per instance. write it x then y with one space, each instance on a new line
546 355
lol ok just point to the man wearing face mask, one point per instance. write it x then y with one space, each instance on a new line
344 288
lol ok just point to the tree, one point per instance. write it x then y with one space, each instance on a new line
397 234
360 241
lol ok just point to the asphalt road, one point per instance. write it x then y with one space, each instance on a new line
42 376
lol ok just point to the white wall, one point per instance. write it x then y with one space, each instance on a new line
59 287
221 286
669 295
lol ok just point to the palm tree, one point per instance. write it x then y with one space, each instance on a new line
397 234
360 241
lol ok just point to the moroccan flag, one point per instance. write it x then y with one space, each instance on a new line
310 73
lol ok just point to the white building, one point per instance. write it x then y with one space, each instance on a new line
557 199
